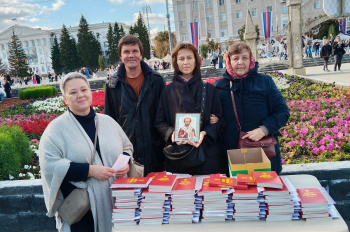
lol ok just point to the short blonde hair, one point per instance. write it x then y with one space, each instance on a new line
71 76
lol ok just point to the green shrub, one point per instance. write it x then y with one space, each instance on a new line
15 151
38 92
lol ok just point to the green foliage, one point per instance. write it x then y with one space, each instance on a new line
14 151
211 43
204 51
3 67
141 30
162 43
112 51
242 30
88 46
332 30
325 27
17 58
55 56
68 51
38 92
101 62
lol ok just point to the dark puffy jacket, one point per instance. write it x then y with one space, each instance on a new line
326 51
258 102
136 115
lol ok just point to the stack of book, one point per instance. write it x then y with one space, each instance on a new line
126 209
246 205
214 202
183 201
294 196
314 206
155 205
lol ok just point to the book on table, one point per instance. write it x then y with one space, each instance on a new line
225 182
268 179
131 182
162 183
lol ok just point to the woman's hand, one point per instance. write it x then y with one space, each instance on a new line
178 143
255 135
122 172
213 119
101 172
201 137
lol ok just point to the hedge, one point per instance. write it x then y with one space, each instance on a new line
38 92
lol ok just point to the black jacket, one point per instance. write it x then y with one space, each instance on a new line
258 102
338 48
136 115
182 97
7 87
326 51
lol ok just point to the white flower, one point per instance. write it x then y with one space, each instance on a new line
50 105
11 177
21 174
281 82
26 166
31 175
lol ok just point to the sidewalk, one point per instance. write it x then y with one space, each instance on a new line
316 73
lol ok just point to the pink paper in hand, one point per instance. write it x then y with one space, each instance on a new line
121 162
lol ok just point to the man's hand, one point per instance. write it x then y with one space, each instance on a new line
213 119
201 137
255 135
100 172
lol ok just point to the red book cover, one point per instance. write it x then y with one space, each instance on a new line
245 179
154 174
131 182
268 179
311 197
207 188
274 191
163 180
225 182
185 184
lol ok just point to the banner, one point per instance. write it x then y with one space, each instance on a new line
194 34
267 22
343 25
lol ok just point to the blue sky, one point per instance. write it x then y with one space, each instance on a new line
49 14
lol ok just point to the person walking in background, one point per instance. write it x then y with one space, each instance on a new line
282 50
7 88
2 94
326 52
339 51
86 72
331 39
220 55
347 45
131 99
268 50
214 58
309 48
317 48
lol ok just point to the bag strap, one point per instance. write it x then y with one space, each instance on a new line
93 154
204 96
234 108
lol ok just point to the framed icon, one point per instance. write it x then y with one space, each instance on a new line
187 127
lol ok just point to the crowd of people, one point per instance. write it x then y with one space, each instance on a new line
139 122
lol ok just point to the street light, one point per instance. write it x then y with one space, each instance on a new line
169 29
147 9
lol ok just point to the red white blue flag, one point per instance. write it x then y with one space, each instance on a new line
194 34
267 23
343 24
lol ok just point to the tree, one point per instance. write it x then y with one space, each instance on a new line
242 30
55 56
211 44
204 51
88 46
68 51
111 50
325 27
3 68
141 30
17 58
122 32
162 44
101 62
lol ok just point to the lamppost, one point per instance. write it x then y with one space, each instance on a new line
147 9
169 29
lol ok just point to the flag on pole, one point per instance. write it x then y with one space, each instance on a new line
194 34
267 22
14 19
343 24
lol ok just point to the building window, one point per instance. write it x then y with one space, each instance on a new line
209 18
40 51
195 5
238 28
38 41
317 4
210 34
238 14
195 19
26 43
238 1
44 42
223 32
269 9
183 37
222 17
182 22
221 2
33 43
284 9
284 23
207 3
180 7
253 11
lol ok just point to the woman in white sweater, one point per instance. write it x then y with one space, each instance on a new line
65 152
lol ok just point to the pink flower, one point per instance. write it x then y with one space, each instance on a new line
304 130
315 150
339 135
322 148
290 135
330 147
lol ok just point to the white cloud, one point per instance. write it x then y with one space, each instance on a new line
33 20
152 18
116 2
150 2
43 28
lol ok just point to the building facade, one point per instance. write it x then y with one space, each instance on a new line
222 19
37 43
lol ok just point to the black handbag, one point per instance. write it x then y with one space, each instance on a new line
183 157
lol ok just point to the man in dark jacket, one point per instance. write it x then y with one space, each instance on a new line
132 96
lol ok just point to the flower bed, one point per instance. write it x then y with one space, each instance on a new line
317 130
